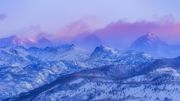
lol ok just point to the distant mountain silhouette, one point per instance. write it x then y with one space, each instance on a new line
152 44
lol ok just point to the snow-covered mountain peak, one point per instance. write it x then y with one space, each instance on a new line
152 44
146 40
105 49
151 36
15 41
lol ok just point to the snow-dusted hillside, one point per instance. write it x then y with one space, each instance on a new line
68 72
112 83
23 69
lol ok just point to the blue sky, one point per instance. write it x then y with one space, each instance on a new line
51 15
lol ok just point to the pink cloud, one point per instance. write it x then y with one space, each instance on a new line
79 27
120 33
126 32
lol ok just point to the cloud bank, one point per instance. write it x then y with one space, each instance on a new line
121 33
124 33
117 34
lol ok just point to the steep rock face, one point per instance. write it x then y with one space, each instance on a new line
104 52
104 55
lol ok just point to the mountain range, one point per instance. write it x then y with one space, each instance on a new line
14 40
149 43
104 74
38 70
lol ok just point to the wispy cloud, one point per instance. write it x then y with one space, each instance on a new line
79 27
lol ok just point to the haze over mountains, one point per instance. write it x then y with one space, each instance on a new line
52 70
89 50
149 43
152 44
88 67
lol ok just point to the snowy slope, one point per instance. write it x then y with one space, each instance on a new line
111 83
23 69
68 72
